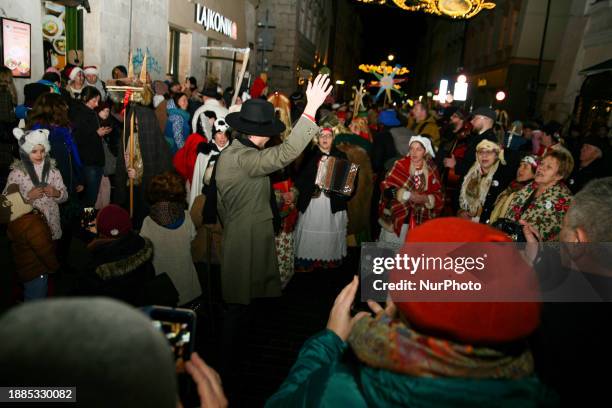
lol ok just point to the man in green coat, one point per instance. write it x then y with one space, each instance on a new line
248 266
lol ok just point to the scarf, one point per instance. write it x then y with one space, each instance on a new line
388 344
475 188
168 214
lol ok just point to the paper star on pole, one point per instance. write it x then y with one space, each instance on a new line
387 82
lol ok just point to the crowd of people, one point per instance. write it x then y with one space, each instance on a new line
196 180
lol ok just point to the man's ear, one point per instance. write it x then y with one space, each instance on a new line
581 235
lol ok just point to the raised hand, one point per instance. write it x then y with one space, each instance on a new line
316 92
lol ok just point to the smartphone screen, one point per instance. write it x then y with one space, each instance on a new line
178 326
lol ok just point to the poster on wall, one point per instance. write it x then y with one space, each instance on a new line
54 34
16 47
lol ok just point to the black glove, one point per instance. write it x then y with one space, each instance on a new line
390 193
204 148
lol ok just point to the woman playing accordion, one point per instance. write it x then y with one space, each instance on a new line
412 193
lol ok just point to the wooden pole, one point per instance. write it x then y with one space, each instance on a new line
132 163
245 62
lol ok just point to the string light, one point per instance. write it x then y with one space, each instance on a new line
452 8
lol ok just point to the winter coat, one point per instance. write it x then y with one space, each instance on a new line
324 377
118 268
33 249
428 128
177 127
47 205
249 266
89 143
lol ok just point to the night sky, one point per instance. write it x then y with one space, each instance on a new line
389 29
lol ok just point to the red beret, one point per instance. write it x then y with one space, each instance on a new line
113 221
471 322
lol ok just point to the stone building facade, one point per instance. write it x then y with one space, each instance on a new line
582 75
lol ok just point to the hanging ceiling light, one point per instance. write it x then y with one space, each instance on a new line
450 8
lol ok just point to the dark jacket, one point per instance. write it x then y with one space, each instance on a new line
86 124
33 249
305 181
502 178
118 268
464 166
581 176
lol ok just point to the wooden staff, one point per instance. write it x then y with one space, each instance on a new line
245 62
131 159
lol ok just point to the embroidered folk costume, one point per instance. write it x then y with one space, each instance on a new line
397 212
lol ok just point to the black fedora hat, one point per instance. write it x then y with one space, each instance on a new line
256 117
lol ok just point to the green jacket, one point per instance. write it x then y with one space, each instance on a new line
321 377
248 266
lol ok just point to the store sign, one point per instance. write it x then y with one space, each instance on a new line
16 44
211 20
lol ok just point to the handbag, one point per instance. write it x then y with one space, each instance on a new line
512 228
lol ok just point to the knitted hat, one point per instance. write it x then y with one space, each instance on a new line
472 322
73 72
94 344
91 70
28 139
113 221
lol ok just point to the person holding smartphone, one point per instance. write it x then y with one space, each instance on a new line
109 351
88 135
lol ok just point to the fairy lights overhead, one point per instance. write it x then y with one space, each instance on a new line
459 9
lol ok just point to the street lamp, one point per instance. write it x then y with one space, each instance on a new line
500 96
391 57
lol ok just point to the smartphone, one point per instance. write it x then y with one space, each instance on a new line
88 219
178 327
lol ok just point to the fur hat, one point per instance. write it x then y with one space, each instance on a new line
93 344
220 126
473 322
28 139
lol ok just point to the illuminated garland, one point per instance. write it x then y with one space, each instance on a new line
451 8
383 68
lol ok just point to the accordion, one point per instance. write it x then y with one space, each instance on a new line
336 175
